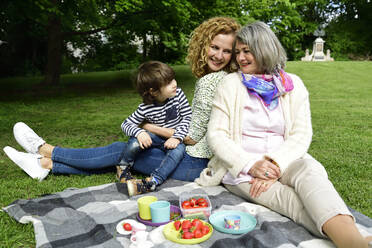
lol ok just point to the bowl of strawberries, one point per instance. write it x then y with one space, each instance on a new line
188 231
195 206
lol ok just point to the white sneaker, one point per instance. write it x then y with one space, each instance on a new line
27 138
28 162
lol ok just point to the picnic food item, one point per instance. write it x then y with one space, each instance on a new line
195 206
123 226
197 224
186 225
127 227
177 224
205 230
192 228
188 231
173 215
195 203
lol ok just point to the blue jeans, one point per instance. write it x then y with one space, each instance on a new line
87 161
98 160
169 159
187 170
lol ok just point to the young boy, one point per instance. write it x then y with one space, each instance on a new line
164 105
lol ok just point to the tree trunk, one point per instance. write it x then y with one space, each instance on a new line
54 53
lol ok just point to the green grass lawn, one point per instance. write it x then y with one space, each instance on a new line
87 110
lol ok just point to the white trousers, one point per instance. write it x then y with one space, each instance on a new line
303 193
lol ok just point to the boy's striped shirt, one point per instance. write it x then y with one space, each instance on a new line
174 113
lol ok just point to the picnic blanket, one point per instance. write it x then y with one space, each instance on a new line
88 217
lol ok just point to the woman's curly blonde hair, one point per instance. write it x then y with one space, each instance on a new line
202 37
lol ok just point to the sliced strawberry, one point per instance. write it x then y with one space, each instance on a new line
193 202
198 233
187 235
186 224
177 225
205 229
197 223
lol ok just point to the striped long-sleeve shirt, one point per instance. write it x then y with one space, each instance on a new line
174 113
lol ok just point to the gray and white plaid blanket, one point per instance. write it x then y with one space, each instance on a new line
88 217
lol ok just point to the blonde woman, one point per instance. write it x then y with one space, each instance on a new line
209 54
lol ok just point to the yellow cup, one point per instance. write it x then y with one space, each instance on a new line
144 206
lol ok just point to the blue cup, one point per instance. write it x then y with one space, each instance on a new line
160 211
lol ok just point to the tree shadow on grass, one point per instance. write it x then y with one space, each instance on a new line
99 83
14 92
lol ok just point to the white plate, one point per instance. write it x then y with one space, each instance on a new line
120 228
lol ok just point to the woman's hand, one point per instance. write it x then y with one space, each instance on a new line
264 169
259 186
188 141
171 143
144 140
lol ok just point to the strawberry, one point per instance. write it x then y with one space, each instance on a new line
186 224
193 202
198 233
205 229
201 200
186 205
177 224
197 223
187 235
127 227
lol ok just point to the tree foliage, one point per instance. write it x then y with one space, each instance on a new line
42 35
349 34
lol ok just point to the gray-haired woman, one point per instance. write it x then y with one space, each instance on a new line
260 131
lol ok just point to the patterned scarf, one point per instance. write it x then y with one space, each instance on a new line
268 88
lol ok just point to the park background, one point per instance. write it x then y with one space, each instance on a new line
66 66
53 37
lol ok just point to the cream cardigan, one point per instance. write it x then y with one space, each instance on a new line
225 130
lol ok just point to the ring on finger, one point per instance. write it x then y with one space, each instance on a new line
266 173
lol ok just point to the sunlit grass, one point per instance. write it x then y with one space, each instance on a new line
87 110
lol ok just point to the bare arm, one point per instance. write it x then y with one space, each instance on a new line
166 132
160 131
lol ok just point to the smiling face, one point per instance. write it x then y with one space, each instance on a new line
219 51
245 59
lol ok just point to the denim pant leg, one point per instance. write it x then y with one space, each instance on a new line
133 149
61 168
148 160
91 160
189 168
130 152
157 141
169 163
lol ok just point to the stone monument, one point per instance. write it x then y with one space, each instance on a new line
318 48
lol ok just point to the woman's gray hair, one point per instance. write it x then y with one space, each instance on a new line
264 45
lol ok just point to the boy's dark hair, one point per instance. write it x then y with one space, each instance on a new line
152 75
